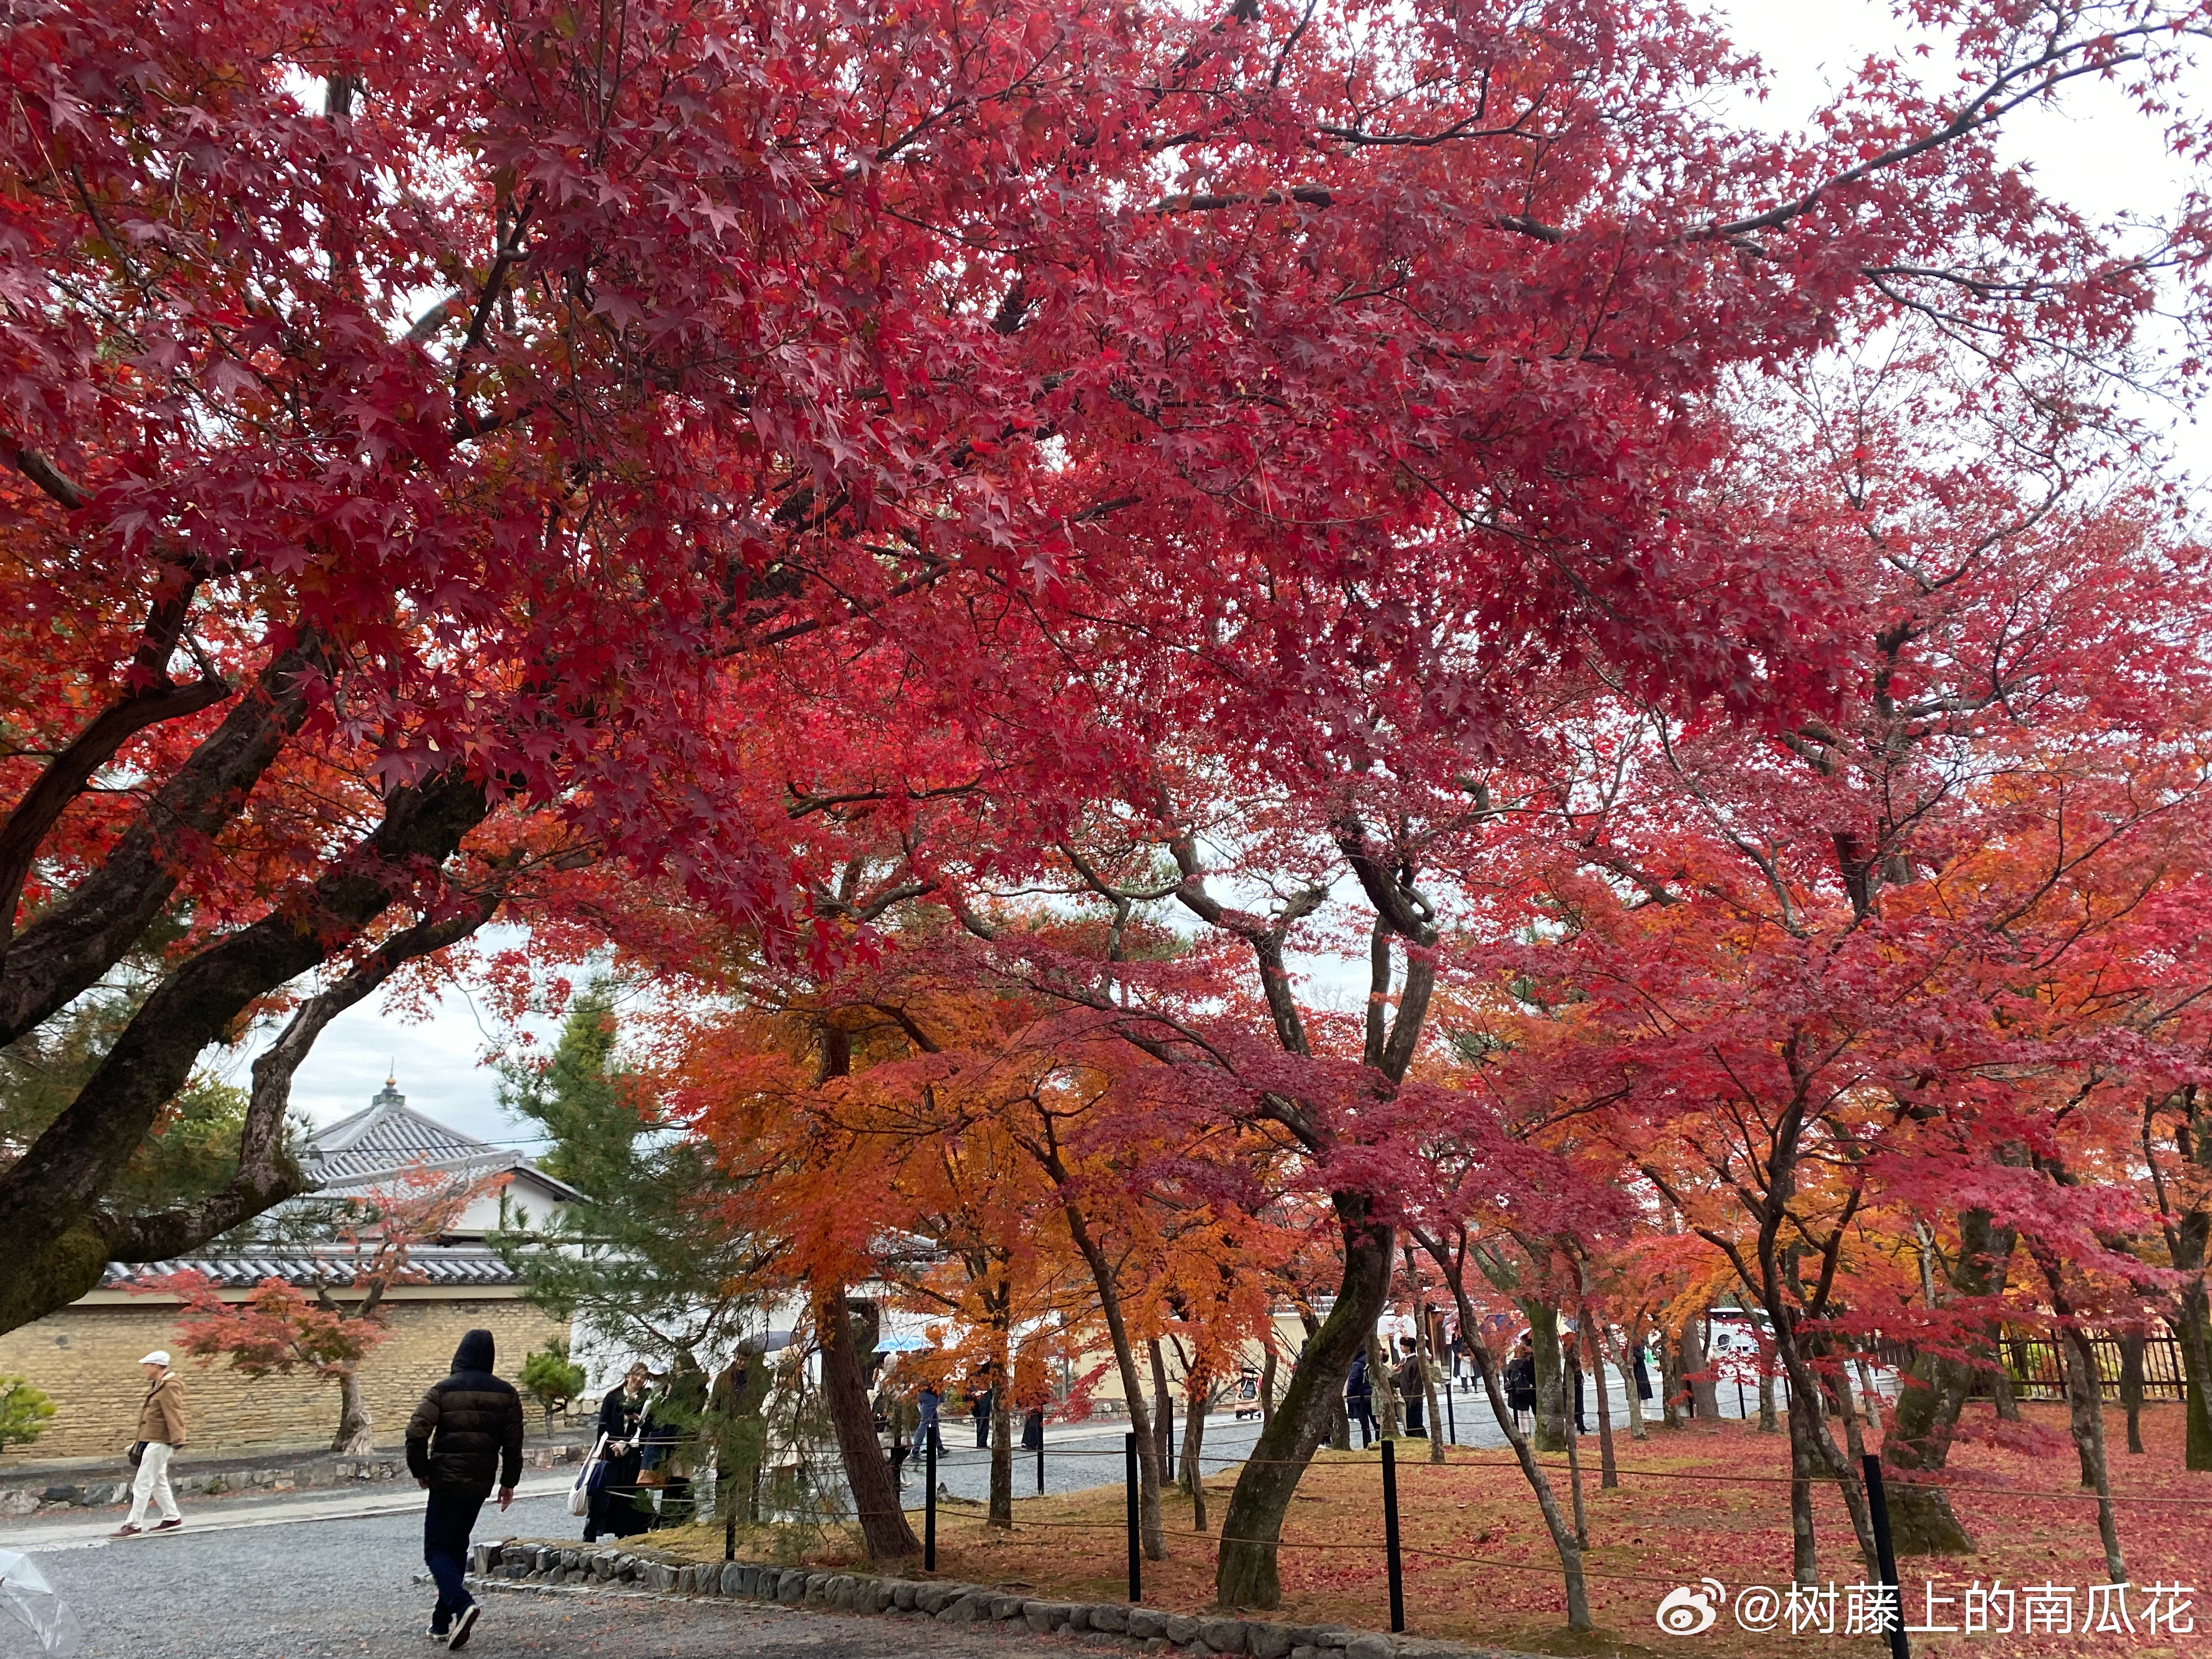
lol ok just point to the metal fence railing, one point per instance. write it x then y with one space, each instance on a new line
2036 1368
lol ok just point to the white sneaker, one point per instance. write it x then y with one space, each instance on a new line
462 1626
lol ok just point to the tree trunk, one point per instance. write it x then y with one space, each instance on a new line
1920 1424
352 1437
1696 1369
2192 1330
1847 1406
867 1471
1805 1401
1575 1487
1608 1476
2132 1343
1632 1340
1002 1436
1423 1360
1196 1398
1564 1541
1809 1435
1339 1420
1553 1430
1163 1408
2188 1242
1869 1397
1268 1378
1151 1539
2003 1397
58 1240
1804 1564
1925 1415
1562 1538
2086 1417
1767 1422
1246 1576
1670 1379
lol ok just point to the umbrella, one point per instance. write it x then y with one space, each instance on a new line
25 1592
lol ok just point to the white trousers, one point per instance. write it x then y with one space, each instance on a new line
153 1483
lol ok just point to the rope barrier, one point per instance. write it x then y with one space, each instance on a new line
1221 1460
1303 1544
1784 1480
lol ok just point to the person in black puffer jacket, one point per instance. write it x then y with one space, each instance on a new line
466 1433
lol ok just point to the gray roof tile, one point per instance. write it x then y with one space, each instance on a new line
456 1265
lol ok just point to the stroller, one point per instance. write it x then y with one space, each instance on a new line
1246 1400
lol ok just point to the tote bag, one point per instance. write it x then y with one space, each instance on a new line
580 1495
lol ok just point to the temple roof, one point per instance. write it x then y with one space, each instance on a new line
390 1135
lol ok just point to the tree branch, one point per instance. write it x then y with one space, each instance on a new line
43 472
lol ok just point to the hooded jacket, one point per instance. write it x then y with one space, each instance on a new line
468 1429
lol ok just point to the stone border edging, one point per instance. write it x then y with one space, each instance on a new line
512 1566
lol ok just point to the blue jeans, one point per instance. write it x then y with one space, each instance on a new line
446 1520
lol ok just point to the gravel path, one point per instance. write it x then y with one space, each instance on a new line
308 1589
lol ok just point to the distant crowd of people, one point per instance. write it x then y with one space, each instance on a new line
1412 1373
649 1449
909 1409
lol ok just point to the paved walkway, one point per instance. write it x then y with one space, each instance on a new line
1077 1456
332 1572
243 1514
260 1583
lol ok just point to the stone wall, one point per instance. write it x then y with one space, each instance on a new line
551 1567
86 1357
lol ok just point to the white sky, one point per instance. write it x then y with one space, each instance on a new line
2098 153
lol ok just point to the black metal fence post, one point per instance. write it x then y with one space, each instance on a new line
1039 1460
1451 1417
1390 1539
1741 1410
1167 1440
1900 1646
929 1503
1129 1478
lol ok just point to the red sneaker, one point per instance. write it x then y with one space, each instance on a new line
126 1530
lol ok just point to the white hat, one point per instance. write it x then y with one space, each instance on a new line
159 1356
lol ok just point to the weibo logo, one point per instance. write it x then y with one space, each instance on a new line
1688 1610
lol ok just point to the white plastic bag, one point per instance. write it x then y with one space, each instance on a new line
25 1592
